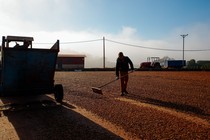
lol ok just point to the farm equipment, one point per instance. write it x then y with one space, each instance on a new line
152 63
175 64
26 70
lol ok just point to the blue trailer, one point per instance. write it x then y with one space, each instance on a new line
26 70
176 64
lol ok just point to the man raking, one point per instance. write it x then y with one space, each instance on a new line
122 68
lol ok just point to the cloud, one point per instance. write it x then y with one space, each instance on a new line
128 32
198 39
49 20
36 15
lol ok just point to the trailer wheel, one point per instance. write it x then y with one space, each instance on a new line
58 93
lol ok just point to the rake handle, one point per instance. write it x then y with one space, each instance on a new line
108 83
114 80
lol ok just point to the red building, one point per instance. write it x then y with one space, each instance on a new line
70 62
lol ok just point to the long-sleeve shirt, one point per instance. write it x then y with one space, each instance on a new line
123 65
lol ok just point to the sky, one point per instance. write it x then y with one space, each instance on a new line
138 28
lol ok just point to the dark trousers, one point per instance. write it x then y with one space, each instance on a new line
123 80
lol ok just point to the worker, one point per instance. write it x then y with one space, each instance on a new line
122 68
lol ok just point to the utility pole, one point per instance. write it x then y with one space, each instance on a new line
104 52
183 36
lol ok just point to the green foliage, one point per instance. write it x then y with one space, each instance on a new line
201 64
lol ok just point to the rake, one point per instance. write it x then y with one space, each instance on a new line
99 90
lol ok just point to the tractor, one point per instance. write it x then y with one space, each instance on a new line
152 63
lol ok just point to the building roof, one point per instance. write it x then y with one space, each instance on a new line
71 55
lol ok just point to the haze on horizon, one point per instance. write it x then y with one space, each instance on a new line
143 24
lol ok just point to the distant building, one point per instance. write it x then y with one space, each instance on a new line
70 62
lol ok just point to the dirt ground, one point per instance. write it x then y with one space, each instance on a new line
160 105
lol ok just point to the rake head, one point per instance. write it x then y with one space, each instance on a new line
97 90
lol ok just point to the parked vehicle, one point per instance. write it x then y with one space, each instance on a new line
26 70
152 63
175 64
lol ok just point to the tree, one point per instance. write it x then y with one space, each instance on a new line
192 62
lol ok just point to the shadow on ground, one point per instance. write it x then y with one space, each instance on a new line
45 119
172 105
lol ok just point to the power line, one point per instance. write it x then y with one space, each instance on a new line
126 44
73 42
152 48
138 46
85 41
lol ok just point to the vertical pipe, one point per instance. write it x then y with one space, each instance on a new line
183 36
104 52
183 49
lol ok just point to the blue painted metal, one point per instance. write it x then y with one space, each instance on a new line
175 63
28 71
